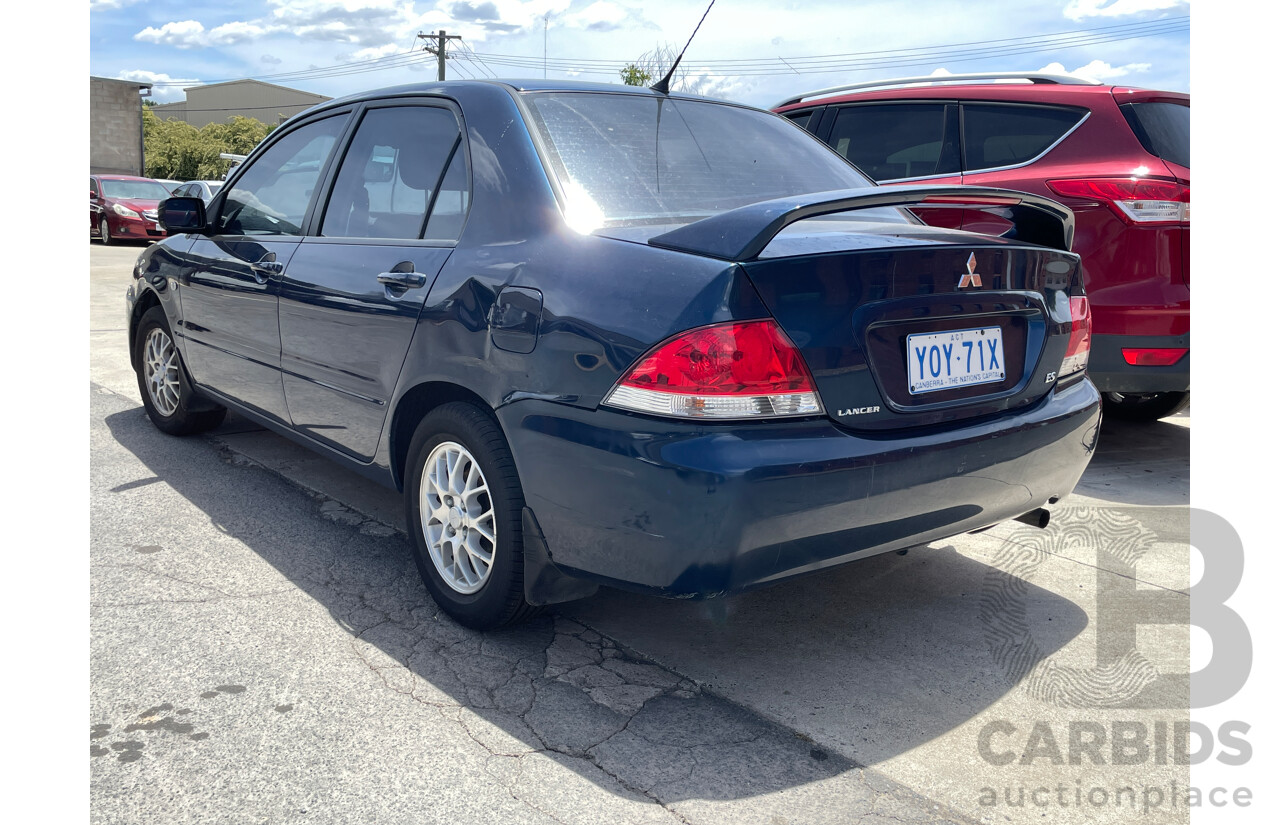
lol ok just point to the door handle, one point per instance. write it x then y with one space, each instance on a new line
402 276
265 268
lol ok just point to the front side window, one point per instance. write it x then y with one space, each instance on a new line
93 187
630 159
996 136
272 195
895 141
391 173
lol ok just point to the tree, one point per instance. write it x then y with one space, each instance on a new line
633 75
656 62
179 151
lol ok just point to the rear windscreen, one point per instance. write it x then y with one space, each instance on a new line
1163 128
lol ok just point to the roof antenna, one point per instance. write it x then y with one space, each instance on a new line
663 85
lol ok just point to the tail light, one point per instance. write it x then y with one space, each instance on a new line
735 370
1077 357
1135 200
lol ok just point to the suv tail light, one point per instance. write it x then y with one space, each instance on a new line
1135 200
734 370
1153 356
1077 357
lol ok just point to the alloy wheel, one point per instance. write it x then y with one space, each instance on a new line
457 517
160 366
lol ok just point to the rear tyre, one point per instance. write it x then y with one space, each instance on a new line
1144 406
167 395
104 231
463 505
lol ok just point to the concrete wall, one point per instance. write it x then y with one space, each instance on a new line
219 102
115 126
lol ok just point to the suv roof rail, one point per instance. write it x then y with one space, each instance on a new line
1033 77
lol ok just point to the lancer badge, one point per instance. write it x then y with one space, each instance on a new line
970 278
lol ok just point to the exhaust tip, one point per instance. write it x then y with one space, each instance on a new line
1038 517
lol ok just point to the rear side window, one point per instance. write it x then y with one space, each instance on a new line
271 196
1164 129
903 140
391 172
996 136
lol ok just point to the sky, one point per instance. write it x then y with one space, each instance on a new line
748 51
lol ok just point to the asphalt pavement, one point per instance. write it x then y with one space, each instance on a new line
262 650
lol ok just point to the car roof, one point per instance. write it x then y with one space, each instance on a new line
514 85
1078 95
122 177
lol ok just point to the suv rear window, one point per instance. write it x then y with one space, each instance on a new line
996 136
1164 129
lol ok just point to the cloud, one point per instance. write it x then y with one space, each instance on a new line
1078 10
109 5
475 11
271 60
185 34
161 94
601 16
1098 70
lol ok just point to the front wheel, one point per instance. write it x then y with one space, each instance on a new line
1144 406
104 231
463 505
170 402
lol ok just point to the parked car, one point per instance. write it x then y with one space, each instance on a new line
604 335
202 189
1118 156
123 207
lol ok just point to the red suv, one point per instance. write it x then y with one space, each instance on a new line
1118 156
123 207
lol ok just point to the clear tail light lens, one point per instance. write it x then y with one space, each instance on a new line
1077 357
1135 200
735 370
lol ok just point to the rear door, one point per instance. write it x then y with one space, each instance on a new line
231 277
351 293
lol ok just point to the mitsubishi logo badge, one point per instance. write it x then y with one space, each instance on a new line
970 278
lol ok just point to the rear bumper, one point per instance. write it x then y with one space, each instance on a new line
1111 373
695 511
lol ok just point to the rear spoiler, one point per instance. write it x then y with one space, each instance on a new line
742 234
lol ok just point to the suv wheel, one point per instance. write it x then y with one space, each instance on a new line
463 505
1144 407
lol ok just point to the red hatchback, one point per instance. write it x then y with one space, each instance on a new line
1118 156
123 207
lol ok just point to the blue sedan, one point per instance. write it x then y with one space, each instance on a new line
601 335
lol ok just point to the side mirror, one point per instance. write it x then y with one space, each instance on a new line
182 214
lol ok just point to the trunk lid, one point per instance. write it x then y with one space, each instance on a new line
892 337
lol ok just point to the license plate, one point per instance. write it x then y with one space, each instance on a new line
959 358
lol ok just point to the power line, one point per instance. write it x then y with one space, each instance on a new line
809 64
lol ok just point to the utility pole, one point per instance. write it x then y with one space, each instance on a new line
441 40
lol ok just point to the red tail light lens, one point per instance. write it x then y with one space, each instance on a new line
1153 356
1077 357
733 370
1135 200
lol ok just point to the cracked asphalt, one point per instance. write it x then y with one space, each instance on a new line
262 650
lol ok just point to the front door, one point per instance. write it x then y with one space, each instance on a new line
231 280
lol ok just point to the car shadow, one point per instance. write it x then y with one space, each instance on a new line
1140 464
914 657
